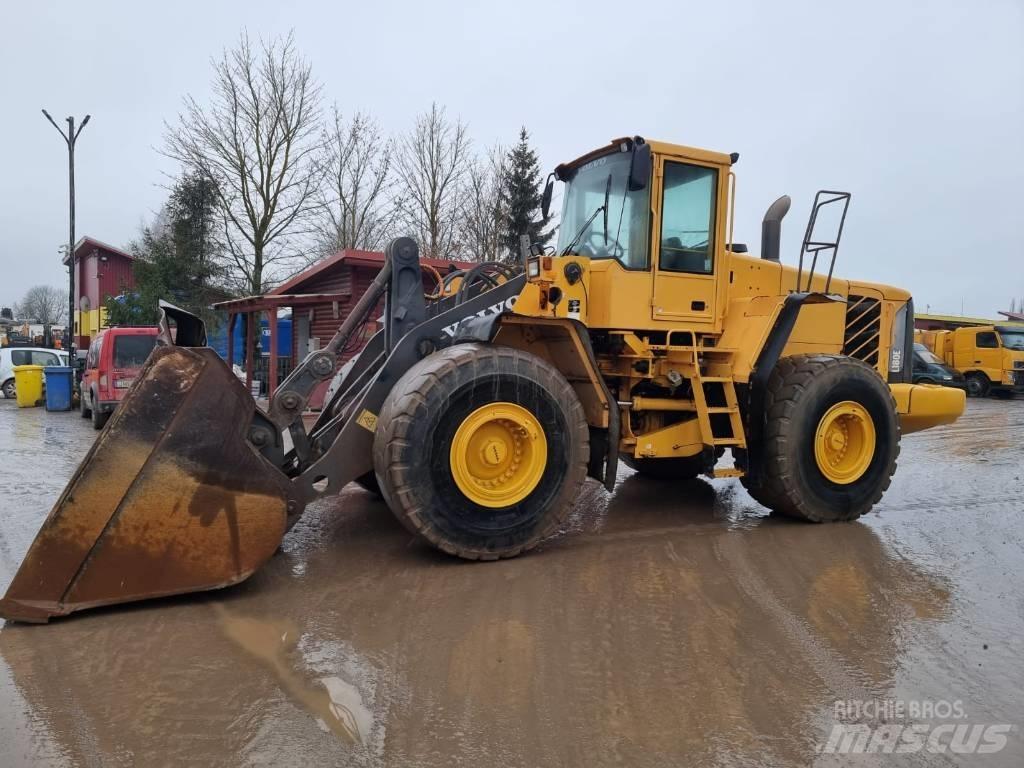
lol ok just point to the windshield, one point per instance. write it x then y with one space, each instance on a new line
628 213
132 351
926 355
1012 340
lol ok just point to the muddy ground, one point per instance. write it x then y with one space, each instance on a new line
668 625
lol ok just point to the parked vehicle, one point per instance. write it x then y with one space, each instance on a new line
929 369
12 356
115 357
991 357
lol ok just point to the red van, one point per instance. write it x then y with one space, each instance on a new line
114 359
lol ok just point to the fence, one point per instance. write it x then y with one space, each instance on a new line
261 371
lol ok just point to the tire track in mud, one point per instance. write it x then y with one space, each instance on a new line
830 668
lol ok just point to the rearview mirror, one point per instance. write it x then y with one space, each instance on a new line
545 200
640 167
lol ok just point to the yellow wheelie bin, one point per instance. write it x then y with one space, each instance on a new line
28 385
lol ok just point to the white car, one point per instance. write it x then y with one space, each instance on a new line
12 356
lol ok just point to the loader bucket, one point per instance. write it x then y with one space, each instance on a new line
170 499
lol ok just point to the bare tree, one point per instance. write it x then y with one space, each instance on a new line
258 141
43 304
431 164
356 205
483 207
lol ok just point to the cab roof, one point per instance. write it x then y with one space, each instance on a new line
626 143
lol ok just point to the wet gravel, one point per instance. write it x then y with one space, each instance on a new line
669 624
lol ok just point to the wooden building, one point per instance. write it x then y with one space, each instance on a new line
101 271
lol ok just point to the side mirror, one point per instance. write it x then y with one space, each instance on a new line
545 200
640 167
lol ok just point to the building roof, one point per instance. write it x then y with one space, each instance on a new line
356 258
954 319
92 243
1017 317
279 300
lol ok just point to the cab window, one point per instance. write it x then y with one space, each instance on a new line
688 216
92 360
986 340
628 213
132 351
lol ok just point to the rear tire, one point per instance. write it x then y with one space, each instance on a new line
421 427
802 393
978 385
99 419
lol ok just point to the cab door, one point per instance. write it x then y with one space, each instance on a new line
685 231
987 355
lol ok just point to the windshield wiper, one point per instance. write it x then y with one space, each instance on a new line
587 223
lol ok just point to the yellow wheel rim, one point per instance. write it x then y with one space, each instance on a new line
498 455
845 442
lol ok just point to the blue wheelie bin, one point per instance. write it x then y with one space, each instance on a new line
58 387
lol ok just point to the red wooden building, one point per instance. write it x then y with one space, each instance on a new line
101 271
320 298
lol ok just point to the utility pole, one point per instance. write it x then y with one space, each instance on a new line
70 138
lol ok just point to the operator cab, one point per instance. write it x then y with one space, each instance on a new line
619 177
652 208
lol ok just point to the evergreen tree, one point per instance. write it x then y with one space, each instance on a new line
175 258
193 207
522 188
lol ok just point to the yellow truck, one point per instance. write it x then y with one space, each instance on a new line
991 357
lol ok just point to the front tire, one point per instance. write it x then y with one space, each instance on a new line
481 449
831 439
978 385
9 391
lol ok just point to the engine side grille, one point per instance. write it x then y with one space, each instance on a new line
863 328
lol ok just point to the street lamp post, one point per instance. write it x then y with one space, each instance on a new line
70 138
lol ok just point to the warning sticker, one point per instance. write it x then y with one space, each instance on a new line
574 309
367 420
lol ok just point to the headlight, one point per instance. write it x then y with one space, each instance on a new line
533 268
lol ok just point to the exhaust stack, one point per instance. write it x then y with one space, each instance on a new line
771 228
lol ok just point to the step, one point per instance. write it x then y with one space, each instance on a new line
714 379
726 409
727 441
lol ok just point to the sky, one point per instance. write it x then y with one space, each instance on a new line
917 108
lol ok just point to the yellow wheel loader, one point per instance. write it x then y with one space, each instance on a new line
647 337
